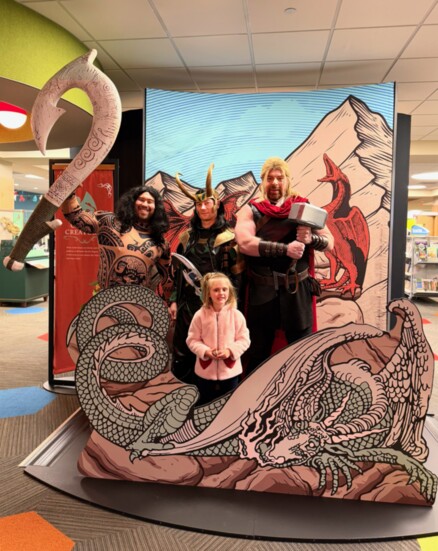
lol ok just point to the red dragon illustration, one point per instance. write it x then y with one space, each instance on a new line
349 257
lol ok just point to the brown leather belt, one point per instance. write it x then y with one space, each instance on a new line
277 278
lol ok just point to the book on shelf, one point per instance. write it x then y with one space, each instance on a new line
431 252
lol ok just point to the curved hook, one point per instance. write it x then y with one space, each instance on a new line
107 115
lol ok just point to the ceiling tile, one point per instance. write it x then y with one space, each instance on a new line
232 91
133 19
54 12
433 17
435 94
354 72
407 106
289 47
310 15
383 43
407 91
424 120
240 76
432 136
132 100
164 78
136 54
206 51
201 18
122 81
412 70
106 61
288 74
375 13
424 43
269 89
427 108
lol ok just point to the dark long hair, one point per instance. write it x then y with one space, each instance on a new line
158 224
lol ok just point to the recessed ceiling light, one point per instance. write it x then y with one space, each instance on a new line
12 116
290 10
36 188
426 176
415 186
33 177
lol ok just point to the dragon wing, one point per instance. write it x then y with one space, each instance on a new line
354 227
177 224
230 206
408 377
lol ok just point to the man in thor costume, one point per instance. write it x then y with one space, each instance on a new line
279 257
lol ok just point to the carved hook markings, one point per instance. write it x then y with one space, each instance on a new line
107 114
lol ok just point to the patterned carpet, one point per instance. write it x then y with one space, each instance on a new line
23 363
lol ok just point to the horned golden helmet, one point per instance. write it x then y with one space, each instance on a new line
202 194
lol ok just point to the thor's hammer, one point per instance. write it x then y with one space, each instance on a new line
305 214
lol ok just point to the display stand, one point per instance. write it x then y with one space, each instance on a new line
245 514
68 283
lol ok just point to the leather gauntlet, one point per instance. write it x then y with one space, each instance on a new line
319 242
272 248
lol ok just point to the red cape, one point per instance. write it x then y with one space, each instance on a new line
268 209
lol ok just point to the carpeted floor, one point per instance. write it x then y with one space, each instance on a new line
30 508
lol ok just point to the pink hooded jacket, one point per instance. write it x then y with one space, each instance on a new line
224 329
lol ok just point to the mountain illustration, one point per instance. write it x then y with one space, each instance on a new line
360 142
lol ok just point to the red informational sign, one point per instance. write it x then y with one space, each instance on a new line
77 261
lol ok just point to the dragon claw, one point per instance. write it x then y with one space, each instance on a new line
427 480
334 464
135 454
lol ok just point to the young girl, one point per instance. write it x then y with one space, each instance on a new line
218 336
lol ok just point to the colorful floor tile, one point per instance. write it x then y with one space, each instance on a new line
15 402
30 532
28 310
428 544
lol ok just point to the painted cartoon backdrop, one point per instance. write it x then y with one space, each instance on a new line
340 413
339 145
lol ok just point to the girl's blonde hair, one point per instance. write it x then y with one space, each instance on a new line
205 289
276 163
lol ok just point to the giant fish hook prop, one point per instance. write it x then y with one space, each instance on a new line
107 114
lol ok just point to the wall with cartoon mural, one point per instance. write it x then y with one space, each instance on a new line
338 414
341 160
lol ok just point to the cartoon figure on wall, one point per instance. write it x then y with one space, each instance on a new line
339 414
342 162
352 237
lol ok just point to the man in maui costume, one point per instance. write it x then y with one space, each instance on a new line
132 251
210 246
132 248
279 257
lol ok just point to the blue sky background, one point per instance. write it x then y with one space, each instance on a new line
186 131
